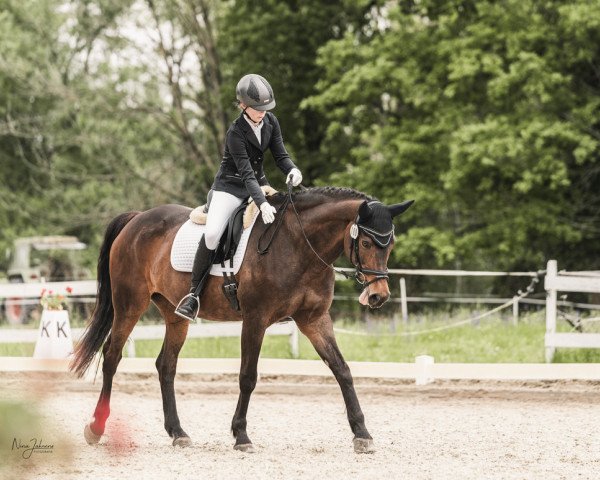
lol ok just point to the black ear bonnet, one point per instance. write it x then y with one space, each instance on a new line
374 220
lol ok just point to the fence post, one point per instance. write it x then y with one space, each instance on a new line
403 302
551 272
424 369
130 347
294 340
515 310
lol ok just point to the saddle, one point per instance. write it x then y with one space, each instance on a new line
240 219
231 236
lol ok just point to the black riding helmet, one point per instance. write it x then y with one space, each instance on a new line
255 92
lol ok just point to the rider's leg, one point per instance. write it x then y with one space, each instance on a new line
222 206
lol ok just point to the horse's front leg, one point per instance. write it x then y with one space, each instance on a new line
320 332
252 337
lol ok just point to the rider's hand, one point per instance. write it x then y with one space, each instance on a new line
295 177
268 212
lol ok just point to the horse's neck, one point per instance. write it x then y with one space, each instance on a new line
325 226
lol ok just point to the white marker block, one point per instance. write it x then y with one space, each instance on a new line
424 369
54 335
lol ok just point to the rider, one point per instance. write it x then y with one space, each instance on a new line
240 175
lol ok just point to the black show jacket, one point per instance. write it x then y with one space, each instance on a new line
241 173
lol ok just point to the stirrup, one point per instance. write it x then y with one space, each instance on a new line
197 309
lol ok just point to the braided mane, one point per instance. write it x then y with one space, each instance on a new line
309 197
341 193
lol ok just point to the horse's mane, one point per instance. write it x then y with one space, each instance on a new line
316 195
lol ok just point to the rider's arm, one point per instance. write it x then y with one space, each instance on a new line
237 148
280 154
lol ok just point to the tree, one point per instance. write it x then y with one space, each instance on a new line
487 115
280 40
93 122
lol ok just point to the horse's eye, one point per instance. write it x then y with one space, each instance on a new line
366 244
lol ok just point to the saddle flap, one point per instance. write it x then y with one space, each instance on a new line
232 234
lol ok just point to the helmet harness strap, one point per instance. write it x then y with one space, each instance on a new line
249 117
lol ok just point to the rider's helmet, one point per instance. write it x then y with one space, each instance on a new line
255 92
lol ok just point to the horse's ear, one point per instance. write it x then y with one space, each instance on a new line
399 208
365 211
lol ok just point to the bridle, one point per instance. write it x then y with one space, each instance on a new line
360 272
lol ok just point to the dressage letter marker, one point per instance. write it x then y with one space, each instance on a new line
54 338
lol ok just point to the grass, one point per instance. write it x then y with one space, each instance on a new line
493 340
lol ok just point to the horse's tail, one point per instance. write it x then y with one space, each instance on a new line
99 325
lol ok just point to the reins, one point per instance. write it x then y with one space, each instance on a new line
277 224
358 275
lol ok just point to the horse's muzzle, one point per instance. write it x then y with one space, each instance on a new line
376 300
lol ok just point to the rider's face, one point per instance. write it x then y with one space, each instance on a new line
255 115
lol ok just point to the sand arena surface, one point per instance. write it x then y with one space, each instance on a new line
450 430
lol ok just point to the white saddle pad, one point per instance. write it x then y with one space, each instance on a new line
185 245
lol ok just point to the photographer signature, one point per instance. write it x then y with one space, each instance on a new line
33 446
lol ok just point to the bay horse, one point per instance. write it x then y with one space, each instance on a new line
294 279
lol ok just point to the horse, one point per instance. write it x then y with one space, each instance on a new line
293 279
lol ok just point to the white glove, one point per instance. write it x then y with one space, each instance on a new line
295 176
268 212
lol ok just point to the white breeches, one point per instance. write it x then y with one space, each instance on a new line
221 207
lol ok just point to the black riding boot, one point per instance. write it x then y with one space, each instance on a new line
189 306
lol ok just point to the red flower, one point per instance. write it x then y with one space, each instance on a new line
69 290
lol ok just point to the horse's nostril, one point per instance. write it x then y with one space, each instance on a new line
374 299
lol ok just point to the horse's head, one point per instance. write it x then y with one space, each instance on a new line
368 244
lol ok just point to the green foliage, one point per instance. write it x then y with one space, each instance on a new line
487 114
279 40
84 136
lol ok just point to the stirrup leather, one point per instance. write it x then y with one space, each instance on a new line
197 309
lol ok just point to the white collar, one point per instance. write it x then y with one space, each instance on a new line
252 124
257 129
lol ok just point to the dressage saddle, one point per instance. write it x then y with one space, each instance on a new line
231 236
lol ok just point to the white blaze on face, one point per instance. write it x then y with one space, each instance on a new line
364 296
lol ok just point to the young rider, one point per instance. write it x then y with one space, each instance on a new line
240 176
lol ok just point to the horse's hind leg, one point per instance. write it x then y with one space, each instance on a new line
320 333
129 305
166 364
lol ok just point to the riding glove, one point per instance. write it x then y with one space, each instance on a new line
295 176
268 212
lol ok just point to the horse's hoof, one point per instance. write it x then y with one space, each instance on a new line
90 437
363 445
245 447
182 442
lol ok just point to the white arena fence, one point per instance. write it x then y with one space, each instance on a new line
28 291
565 281
157 332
